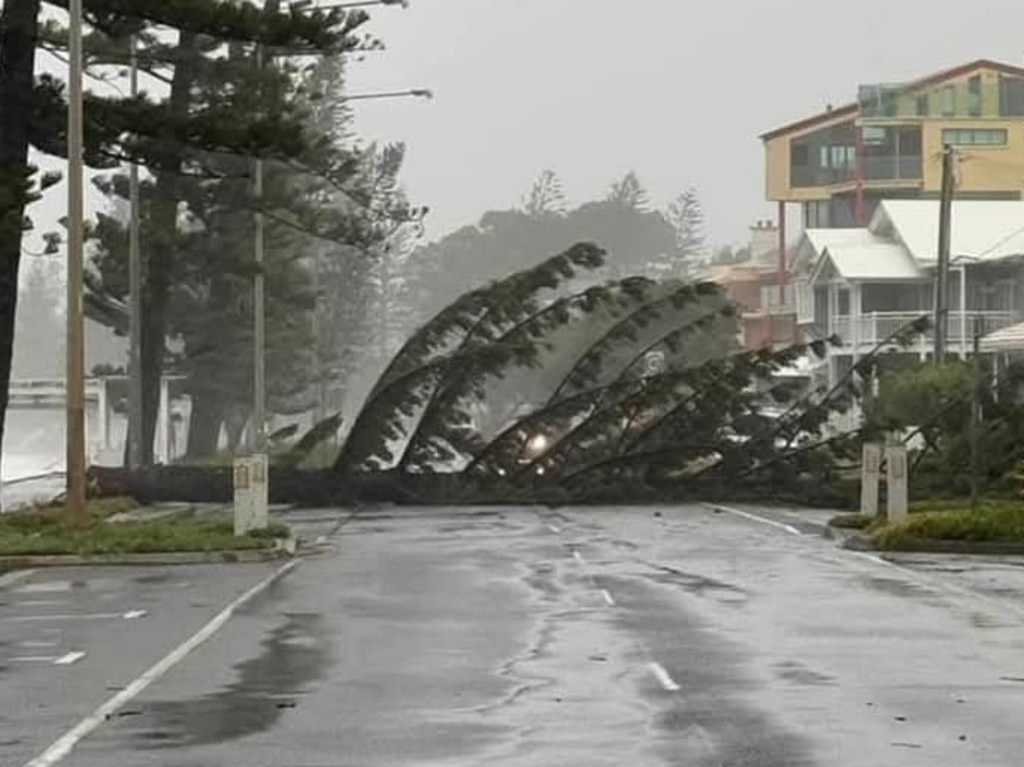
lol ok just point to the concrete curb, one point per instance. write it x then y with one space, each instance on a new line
860 542
291 548
153 559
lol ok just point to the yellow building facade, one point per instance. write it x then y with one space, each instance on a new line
888 144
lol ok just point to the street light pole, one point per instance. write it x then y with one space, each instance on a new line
259 411
77 512
134 296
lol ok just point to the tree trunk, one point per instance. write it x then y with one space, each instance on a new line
18 25
162 249
204 425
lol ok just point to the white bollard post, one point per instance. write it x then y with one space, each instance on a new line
251 496
896 482
260 491
243 495
870 476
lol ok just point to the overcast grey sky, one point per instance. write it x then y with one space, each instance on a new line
677 89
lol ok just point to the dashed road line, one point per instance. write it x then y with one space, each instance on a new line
57 660
130 615
9 579
34 644
666 681
608 597
756 518
555 529
64 745
70 658
577 556
41 602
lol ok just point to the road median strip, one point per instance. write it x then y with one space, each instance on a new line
122 533
993 527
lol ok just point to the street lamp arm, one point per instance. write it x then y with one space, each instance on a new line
420 93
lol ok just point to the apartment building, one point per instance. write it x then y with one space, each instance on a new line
887 144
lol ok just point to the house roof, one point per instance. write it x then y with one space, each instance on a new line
1006 340
924 82
814 243
879 261
901 241
981 230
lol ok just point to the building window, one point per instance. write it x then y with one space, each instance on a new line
974 96
1011 96
922 105
974 136
948 98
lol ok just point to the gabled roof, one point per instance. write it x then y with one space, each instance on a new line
850 110
981 230
901 242
815 242
879 261
1009 339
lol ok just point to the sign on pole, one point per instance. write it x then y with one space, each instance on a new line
251 496
896 482
870 475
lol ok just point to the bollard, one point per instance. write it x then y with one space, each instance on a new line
251 496
870 476
896 482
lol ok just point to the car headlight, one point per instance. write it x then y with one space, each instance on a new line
537 444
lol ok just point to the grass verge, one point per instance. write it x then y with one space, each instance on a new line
990 523
44 530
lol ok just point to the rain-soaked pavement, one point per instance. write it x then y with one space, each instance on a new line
680 636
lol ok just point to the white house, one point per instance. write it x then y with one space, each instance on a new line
864 285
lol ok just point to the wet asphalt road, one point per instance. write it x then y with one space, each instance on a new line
530 637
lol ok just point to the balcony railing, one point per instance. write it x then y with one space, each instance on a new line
885 102
876 168
869 330
893 168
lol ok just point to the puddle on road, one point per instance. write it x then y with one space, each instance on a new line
699 585
294 656
895 587
798 673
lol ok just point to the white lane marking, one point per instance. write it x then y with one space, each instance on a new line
930 582
71 657
756 518
34 644
63 745
608 597
663 677
56 660
46 587
130 615
577 556
9 579
60 617
40 602
554 528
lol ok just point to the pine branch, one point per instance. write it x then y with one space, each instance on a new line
626 328
571 437
414 360
449 391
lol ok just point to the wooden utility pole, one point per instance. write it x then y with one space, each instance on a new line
77 512
942 268
135 429
976 414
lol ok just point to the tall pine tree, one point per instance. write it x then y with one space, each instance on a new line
157 133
